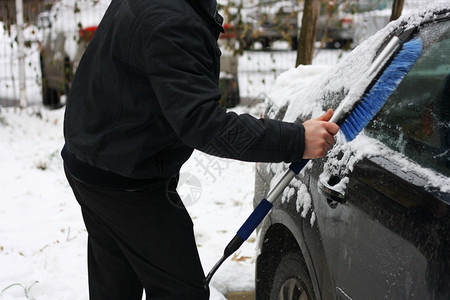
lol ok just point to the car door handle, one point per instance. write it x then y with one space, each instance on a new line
334 196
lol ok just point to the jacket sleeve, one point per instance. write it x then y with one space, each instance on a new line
181 54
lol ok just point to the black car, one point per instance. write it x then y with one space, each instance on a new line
371 220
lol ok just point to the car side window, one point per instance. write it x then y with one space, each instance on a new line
416 118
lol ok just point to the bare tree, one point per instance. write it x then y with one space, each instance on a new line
305 50
397 8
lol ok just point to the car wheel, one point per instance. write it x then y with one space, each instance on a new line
266 43
291 280
230 92
68 76
49 96
245 43
294 43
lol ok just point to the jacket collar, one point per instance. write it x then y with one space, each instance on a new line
207 9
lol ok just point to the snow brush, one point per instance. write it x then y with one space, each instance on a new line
353 114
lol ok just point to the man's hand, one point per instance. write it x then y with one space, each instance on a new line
319 135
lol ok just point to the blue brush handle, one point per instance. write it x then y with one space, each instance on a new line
265 205
296 167
254 219
256 216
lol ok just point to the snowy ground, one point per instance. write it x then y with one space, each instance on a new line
42 235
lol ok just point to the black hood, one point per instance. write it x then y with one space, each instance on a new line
208 6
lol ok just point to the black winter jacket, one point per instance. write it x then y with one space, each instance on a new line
146 94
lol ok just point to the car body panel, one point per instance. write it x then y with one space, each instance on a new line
375 236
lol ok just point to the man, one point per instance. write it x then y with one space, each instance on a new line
144 96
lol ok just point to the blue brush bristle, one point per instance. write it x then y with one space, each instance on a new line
374 100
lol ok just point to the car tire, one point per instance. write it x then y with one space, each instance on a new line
294 43
230 92
68 76
292 280
50 96
266 43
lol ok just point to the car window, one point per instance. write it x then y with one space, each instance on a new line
416 118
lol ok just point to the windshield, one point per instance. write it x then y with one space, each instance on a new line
416 118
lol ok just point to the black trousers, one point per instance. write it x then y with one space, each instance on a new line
139 240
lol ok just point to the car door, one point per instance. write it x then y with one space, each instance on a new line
384 220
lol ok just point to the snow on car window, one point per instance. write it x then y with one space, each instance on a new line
415 119
306 88
308 91
367 147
